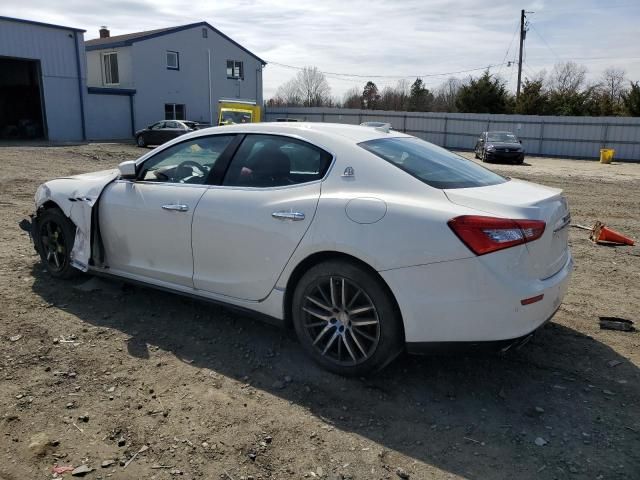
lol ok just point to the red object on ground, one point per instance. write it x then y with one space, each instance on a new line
602 233
62 469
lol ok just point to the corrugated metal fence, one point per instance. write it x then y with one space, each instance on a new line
579 137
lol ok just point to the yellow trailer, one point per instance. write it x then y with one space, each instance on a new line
235 111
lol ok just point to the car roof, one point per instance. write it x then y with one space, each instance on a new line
354 133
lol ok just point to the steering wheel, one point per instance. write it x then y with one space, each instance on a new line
192 164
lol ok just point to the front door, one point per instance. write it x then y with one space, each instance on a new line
245 230
146 224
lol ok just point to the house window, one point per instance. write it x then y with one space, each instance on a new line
174 111
205 32
235 69
173 60
110 66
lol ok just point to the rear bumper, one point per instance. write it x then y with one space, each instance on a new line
465 301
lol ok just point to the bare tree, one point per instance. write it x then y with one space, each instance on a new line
352 98
446 94
308 88
567 78
613 81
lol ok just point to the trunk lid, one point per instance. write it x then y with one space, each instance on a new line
517 199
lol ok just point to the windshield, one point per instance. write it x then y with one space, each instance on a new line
502 137
431 164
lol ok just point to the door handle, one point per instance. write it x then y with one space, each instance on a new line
176 208
294 216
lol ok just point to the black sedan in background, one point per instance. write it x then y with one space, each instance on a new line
499 146
163 131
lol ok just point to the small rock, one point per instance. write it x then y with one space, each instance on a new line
84 418
541 442
122 442
278 384
107 463
111 389
268 439
539 410
71 405
608 392
15 338
81 471
39 444
402 473
288 379
252 456
613 363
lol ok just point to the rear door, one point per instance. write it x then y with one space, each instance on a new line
171 130
246 229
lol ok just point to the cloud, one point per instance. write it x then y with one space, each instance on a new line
389 38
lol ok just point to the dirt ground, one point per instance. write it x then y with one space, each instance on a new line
88 377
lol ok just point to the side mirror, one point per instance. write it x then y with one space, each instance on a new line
520 141
127 169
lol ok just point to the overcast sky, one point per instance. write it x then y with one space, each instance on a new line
388 39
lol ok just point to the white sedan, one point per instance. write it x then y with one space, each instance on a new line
366 242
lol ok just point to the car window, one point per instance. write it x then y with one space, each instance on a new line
185 162
157 126
431 164
172 125
273 161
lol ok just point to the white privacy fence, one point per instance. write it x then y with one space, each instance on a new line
579 137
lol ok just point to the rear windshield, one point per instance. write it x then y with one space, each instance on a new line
434 165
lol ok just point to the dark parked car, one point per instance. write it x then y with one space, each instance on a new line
164 131
499 146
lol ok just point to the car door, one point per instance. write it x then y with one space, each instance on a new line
145 224
172 129
246 229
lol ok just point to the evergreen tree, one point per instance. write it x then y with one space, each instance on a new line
484 95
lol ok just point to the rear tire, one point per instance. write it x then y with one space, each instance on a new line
346 319
140 141
55 237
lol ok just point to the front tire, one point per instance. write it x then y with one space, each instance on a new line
346 319
56 235
140 141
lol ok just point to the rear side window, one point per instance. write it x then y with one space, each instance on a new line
431 164
274 161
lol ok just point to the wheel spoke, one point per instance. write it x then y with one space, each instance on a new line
353 299
343 295
323 295
365 335
355 340
330 342
359 310
362 323
315 324
323 333
332 288
55 259
319 303
326 318
346 344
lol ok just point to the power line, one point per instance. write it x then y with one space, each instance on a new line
509 48
355 75
545 42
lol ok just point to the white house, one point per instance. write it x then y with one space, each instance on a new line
170 73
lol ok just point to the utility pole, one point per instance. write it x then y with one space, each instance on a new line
523 33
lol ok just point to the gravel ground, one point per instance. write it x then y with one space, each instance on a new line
92 377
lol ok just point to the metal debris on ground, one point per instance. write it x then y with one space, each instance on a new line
616 323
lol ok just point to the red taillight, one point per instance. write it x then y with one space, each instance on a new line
489 234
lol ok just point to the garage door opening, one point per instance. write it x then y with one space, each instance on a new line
21 115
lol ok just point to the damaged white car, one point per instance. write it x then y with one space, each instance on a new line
367 242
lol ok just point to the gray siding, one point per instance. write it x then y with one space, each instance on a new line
108 117
156 85
55 48
580 137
